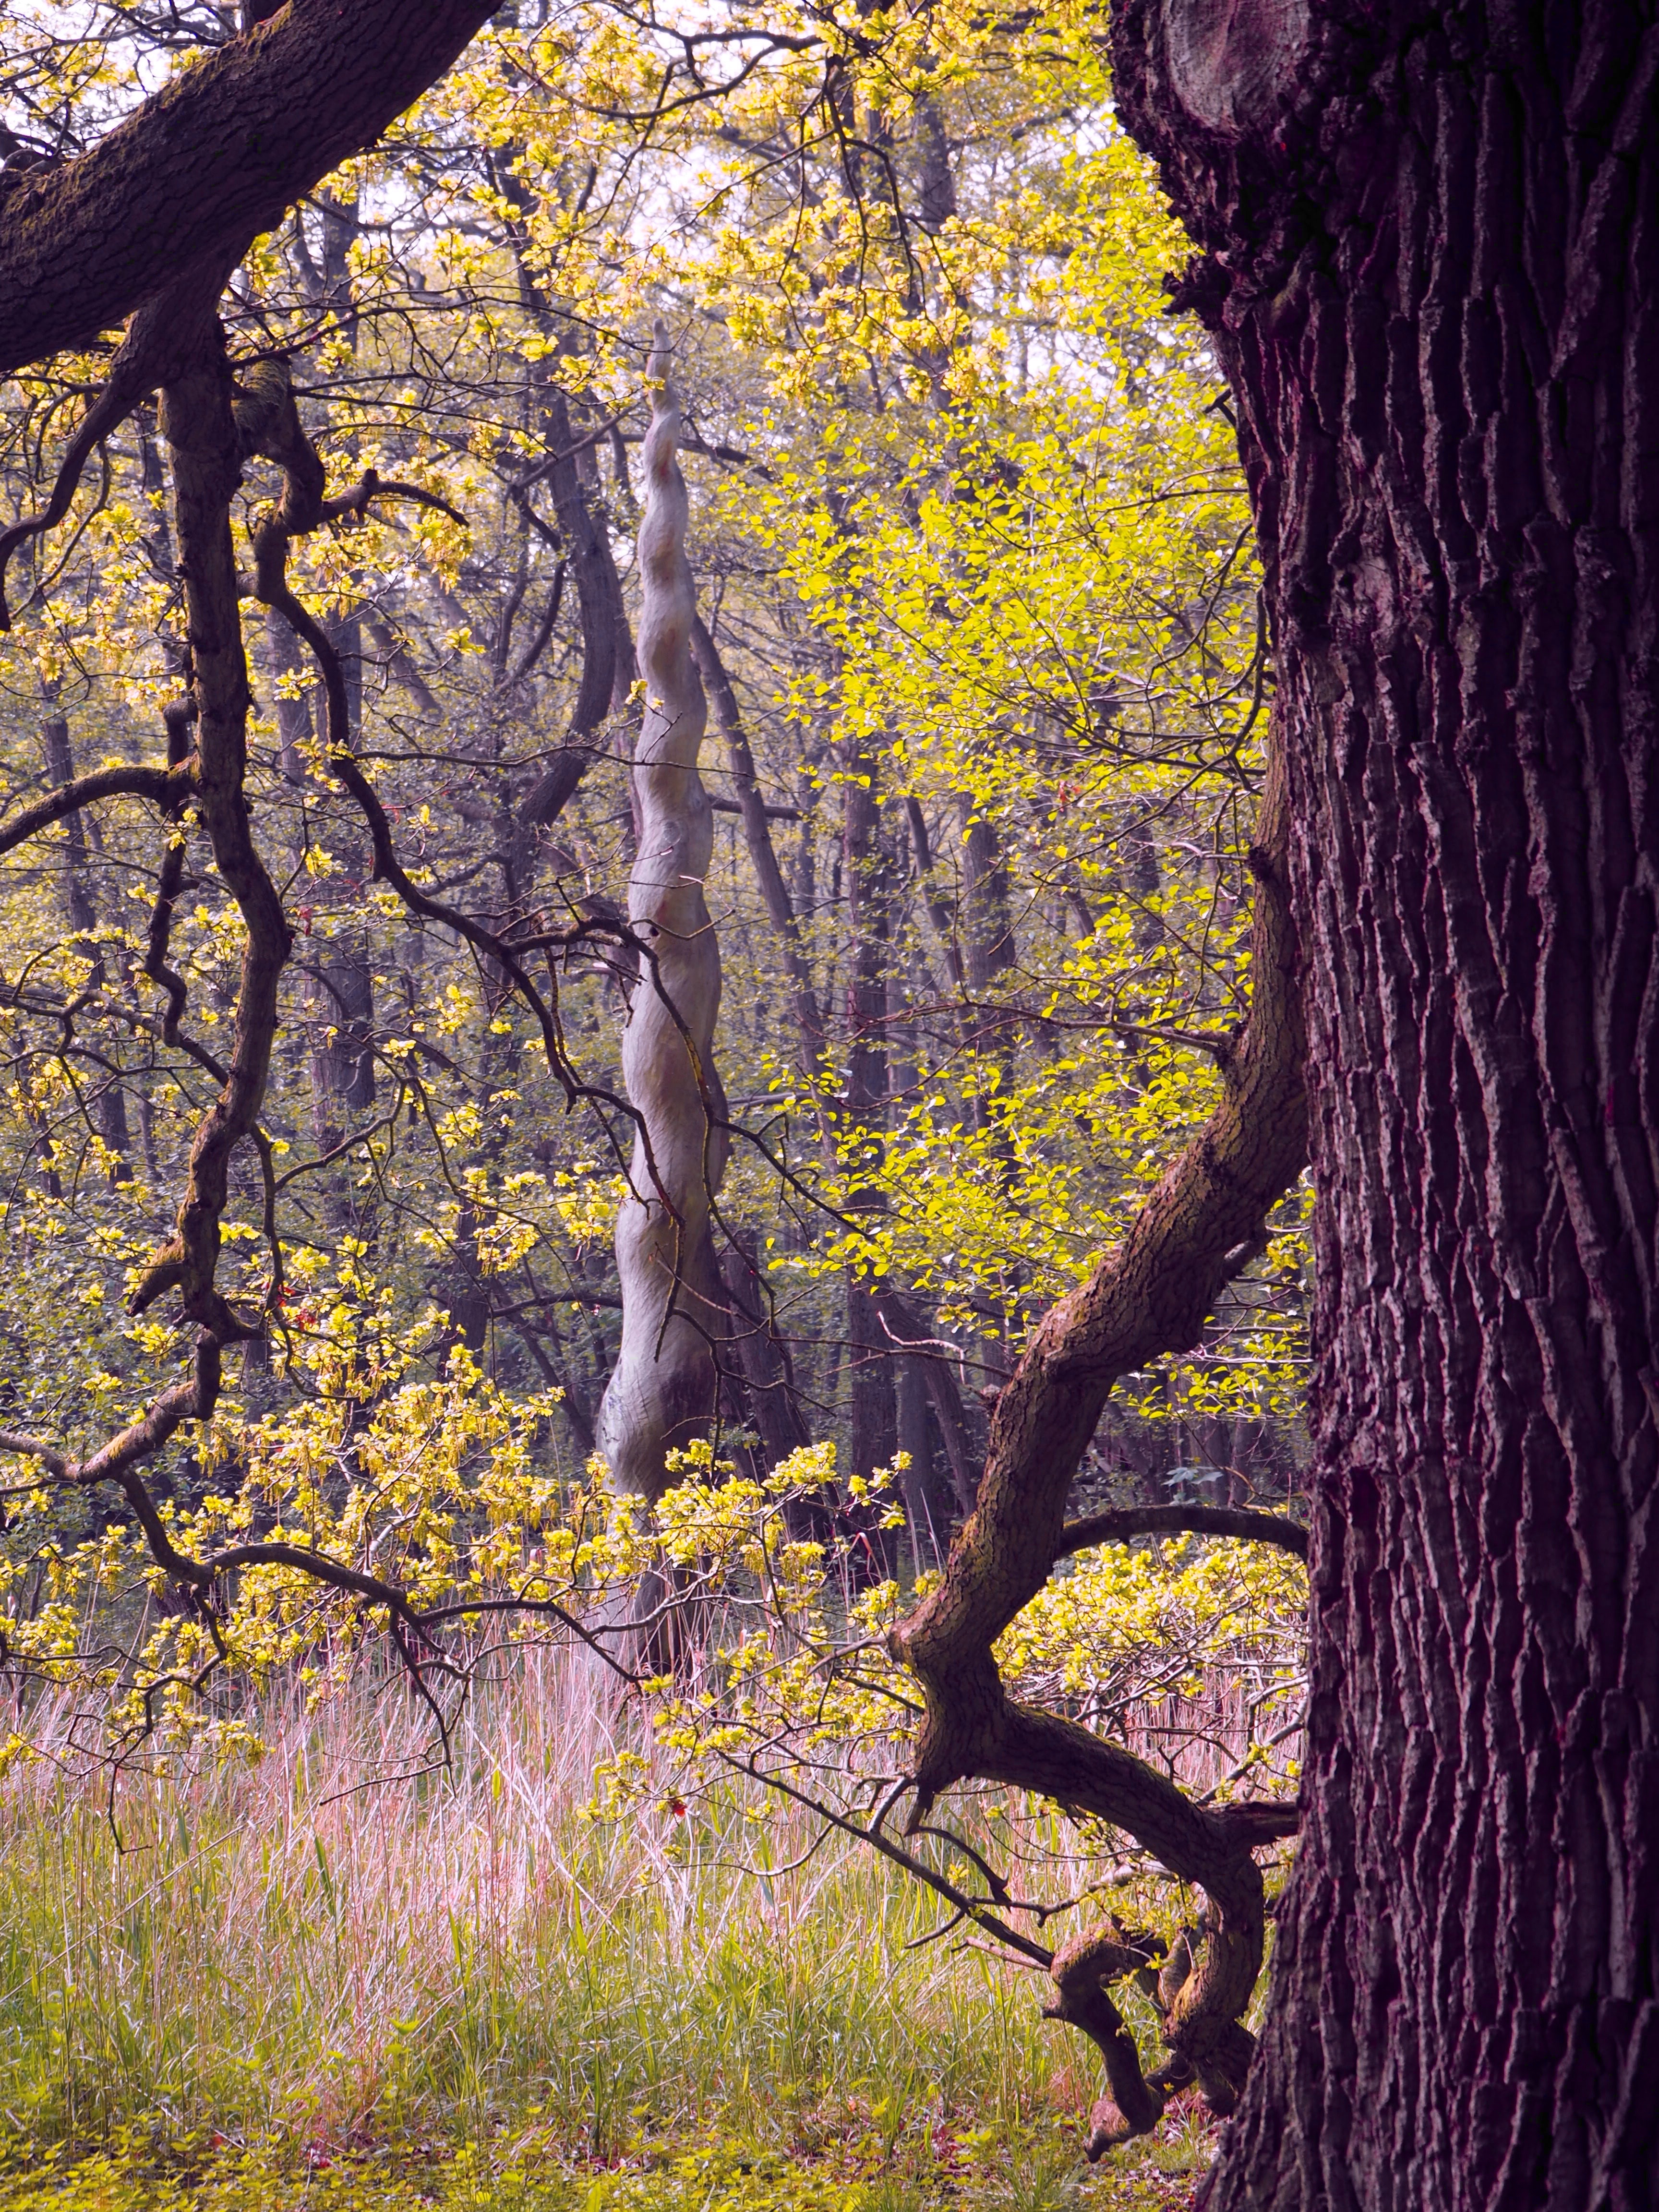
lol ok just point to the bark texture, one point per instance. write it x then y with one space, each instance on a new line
1431 240
662 1393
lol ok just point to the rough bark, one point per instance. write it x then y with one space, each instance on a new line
1432 237
662 1393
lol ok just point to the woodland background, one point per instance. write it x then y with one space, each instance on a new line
989 692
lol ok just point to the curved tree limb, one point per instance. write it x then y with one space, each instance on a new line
271 588
1149 1296
169 788
215 157
1079 1973
201 430
1120 1523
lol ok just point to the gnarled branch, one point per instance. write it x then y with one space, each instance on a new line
1149 1296
1118 1524
169 788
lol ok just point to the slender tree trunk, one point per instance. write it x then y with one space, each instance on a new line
873 1415
343 1057
990 936
929 1503
932 1498
869 914
662 1391
762 1358
109 1107
339 977
1434 240
757 837
609 664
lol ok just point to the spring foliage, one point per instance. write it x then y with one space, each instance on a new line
972 545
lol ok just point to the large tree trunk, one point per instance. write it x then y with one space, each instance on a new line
1433 238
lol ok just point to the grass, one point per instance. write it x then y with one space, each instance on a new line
329 1977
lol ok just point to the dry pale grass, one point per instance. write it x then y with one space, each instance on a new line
337 1941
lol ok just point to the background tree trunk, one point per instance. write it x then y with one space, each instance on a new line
872 1405
1441 334
108 1104
661 1395
342 961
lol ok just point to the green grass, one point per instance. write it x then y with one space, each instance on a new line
280 1986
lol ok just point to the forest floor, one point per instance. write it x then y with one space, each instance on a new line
309 1970
946 2171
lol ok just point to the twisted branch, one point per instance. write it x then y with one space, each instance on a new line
662 1391
1149 1296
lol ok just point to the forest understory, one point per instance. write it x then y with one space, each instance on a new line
487 1994
652 1548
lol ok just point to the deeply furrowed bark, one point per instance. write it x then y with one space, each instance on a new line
662 1393
1433 240
1149 1296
